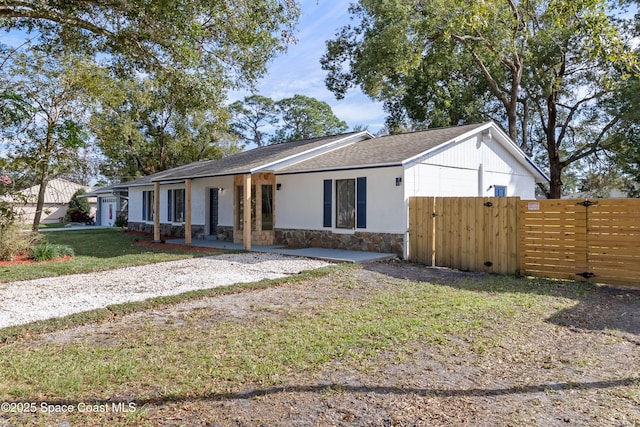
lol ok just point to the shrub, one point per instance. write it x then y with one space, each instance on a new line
121 220
48 251
79 208
76 215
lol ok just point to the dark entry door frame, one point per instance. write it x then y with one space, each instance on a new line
213 211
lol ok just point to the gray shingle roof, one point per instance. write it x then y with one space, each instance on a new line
244 162
386 150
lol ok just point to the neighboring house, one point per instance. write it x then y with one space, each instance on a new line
57 195
111 203
346 191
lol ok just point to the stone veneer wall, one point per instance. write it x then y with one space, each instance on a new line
168 230
225 233
358 241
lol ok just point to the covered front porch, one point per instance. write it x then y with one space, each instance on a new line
245 227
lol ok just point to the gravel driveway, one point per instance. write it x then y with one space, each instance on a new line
39 299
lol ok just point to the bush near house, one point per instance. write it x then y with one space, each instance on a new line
79 209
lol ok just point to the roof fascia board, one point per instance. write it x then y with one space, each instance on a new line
306 155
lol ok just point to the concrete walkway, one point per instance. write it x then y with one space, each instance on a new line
336 255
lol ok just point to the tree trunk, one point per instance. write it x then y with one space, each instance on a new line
555 164
555 187
43 181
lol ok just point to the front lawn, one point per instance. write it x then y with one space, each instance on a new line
387 344
96 250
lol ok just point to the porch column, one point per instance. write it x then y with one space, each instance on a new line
187 219
156 212
246 220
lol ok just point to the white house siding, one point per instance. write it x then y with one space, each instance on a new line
200 200
299 202
135 203
199 204
470 168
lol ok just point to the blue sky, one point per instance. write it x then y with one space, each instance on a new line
298 71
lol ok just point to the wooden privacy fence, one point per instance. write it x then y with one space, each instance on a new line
597 240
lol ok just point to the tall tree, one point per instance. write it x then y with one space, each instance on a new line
47 144
304 117
147 125
548 66
252 114
231 39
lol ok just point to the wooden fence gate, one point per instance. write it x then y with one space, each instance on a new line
466 233
581 240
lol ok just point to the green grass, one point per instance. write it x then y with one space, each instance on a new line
198 357
95 250
346 320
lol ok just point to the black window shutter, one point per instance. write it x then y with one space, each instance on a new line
326 216
361 203
169 207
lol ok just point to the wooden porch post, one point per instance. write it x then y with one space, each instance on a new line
156 212
247 213
187 222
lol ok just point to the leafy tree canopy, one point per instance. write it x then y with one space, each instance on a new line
289 119
544 69
46 143
231 39
147 125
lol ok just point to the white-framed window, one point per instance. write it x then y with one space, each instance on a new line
500 191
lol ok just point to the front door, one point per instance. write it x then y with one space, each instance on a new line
213 211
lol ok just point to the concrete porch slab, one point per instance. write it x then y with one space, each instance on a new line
335 255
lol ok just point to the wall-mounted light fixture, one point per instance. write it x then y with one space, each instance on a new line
278 186
398 181
220 189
